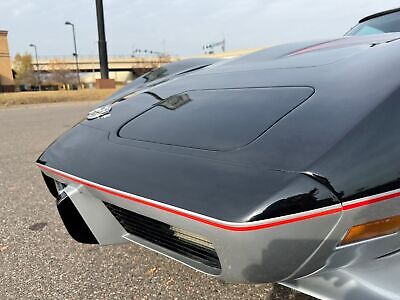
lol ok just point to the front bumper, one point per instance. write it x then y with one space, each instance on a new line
261 251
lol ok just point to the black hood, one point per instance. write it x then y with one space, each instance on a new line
232 139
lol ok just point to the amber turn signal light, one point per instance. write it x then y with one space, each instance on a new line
371 230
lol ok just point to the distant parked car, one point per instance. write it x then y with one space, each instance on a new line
383 22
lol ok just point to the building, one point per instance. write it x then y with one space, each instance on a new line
6 75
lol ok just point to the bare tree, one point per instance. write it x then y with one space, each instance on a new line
60 74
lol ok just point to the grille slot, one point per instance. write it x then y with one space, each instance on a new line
164 235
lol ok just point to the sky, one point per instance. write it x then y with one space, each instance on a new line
181 27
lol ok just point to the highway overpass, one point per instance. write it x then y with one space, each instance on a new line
91 64
123 62
122 68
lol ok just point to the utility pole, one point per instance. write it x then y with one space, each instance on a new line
37 66
102 40
75 53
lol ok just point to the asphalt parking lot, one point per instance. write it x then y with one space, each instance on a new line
38 259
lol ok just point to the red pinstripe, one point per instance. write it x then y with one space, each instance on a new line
222 225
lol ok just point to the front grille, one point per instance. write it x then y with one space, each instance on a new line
165 236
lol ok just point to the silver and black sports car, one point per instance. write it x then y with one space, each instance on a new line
279 166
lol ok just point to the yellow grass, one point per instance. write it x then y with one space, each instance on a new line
7 99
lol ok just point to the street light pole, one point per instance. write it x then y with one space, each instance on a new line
75 53
102 40
37 66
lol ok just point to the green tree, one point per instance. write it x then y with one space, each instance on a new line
23 69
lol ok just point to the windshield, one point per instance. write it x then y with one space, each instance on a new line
382 24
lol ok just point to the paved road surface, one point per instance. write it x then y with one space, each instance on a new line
38 260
